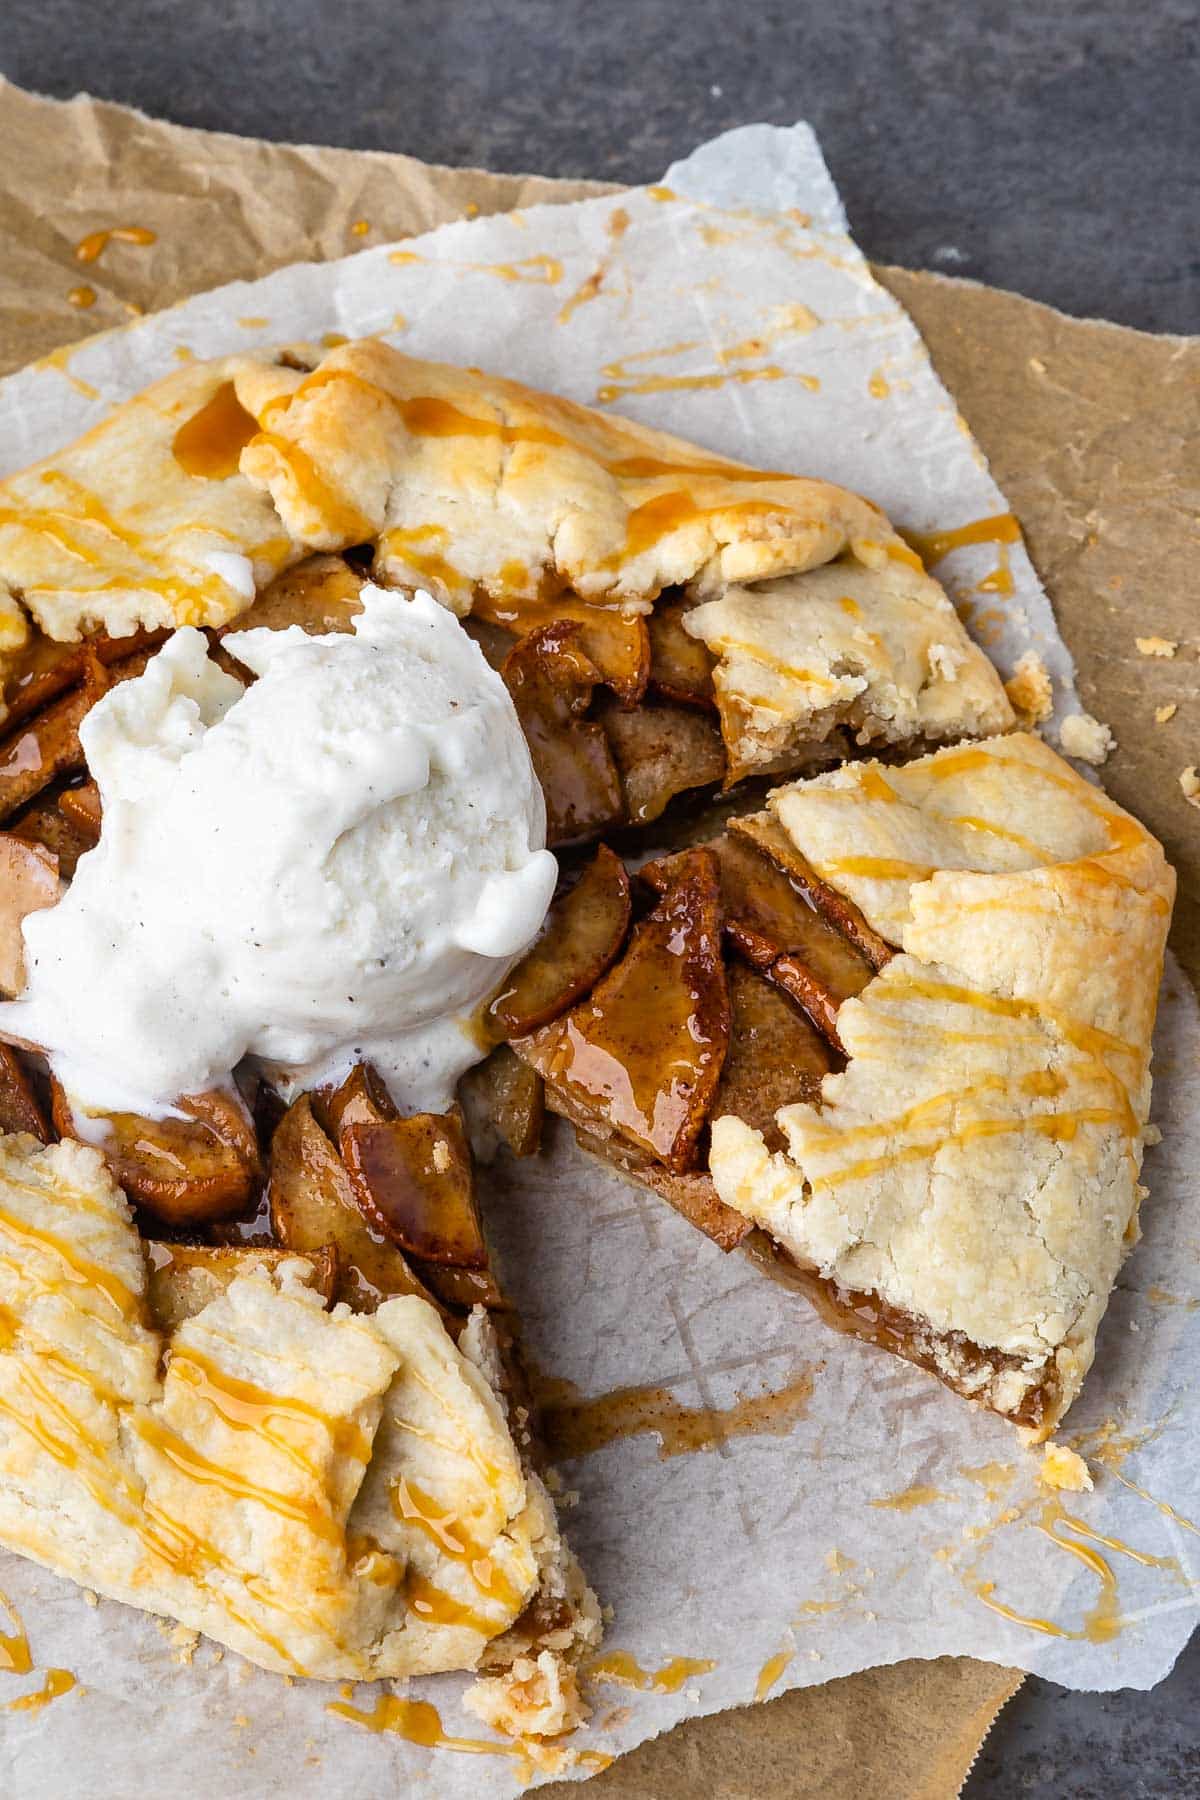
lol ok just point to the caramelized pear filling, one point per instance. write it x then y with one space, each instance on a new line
551 681
580 941
645 1051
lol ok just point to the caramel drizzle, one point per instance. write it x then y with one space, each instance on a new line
931 1114
169 1540
430 416
418 1722
728 646
209 444
620 1667
65 524
79 1271
412 1506
246 1407
201 1469
489 1471
408 546
90 248
56 1683
772 1672
931 547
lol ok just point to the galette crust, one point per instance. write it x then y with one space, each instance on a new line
293 1482
976 1164
114 532
479 489
878 649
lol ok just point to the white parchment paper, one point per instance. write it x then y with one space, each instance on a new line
732 307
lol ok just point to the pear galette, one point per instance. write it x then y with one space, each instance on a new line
891 1028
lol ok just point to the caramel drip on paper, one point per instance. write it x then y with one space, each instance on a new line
15 1655
16 1659
620 1667
543 270
908 1499
418 1722
575 1424
771 1672
57 1683
1103 1621
932 546
664 384
91 247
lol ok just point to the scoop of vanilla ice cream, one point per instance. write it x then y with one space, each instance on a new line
340 861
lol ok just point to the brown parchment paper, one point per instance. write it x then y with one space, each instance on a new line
1086 426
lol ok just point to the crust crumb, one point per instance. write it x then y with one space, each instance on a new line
1163 713
533 1698
1156 646
1064 1470
1086 739
1030 690
1189 781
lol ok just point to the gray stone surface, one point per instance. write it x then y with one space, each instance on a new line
1049 148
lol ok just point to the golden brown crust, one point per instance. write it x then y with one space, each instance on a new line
976 1165
117 529
280 1479
519 505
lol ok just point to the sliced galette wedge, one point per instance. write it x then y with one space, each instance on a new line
966 1188
340 1495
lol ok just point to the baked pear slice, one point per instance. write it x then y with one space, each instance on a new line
313 1205
181 1279
551 682
580 941
188 1170
643 1053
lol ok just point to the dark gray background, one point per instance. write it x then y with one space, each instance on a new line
1049 147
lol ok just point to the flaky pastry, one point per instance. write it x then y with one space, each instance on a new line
489 494
975 1166
331 1494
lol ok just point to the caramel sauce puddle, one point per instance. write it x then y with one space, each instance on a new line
575 1424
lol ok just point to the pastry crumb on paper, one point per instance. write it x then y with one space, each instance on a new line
1156 646
1163 713
1189 781
1030 690
1088 740
1064 1470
